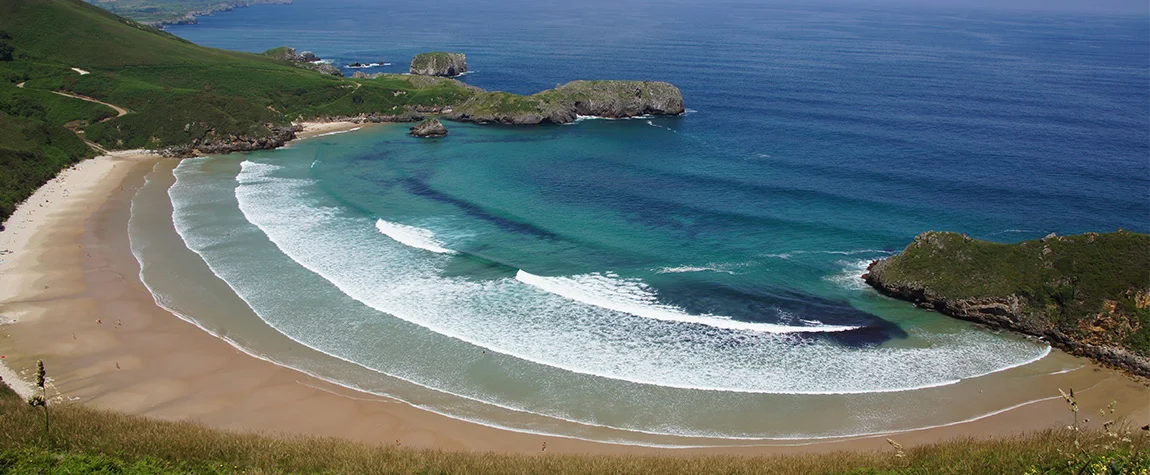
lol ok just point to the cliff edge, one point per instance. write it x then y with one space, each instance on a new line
1087 294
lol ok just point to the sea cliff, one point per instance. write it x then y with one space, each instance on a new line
1087 294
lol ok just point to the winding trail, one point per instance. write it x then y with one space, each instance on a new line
120 111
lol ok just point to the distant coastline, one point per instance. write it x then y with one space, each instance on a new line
161 13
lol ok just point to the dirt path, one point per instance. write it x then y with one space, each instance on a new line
120 111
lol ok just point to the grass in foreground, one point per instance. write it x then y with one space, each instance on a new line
85 440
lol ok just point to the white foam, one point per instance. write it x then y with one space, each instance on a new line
633 297
580 118
686 269
511 317
412 236
851 275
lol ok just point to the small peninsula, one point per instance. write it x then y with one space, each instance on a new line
564 104
1087 294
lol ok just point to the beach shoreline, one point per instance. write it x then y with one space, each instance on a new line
313 129
71 295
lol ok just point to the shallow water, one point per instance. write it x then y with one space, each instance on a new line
681 280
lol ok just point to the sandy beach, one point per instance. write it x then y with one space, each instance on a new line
317 129
70 295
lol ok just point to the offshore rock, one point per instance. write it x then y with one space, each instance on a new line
439 64
428 129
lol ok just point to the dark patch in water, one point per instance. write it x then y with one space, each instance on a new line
781 306
419 188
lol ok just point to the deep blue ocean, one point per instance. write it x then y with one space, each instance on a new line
671 275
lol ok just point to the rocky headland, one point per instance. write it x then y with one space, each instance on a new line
306 60
273 136
565 103
1088 294
439 64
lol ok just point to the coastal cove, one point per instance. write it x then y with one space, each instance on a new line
140 359
667 262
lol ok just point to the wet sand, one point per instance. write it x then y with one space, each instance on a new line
70 294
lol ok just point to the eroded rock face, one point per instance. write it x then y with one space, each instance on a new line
307 60
618 99
439 64
428 128
324 68
363 75
277 137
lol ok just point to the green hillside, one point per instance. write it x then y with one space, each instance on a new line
186 98
178 93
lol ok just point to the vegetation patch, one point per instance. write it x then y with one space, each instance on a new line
1085 291
85 440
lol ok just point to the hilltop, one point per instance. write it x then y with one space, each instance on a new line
1088 294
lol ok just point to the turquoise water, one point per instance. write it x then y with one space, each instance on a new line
672 277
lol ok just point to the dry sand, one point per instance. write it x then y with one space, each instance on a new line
319 129
70 295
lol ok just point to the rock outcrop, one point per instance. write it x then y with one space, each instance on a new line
429 128
276 137
439 64
307 60
363 75
565 103
937 272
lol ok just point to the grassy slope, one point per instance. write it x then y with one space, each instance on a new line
1063 281
91 441
178 92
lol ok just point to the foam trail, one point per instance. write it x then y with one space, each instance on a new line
851 275
685 269
412 236
636 298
